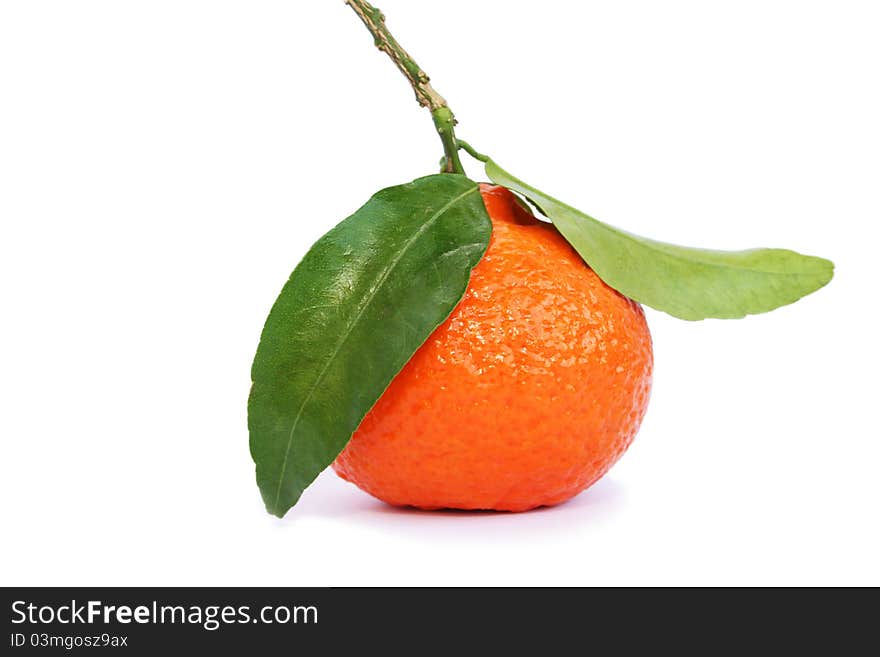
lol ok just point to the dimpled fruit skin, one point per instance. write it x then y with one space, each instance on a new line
527 394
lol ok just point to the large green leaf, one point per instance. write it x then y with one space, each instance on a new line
682 281
354 311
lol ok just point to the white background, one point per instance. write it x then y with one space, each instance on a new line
165 164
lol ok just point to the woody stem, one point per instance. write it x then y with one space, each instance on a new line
426 95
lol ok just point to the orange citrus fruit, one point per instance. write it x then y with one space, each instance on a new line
532 388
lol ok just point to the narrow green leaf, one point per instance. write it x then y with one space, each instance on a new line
361 302
685 282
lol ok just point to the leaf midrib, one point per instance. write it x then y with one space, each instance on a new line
641 241
348 330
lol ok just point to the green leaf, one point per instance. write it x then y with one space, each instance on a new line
685 282
361 302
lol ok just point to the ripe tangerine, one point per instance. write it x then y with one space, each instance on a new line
526 395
